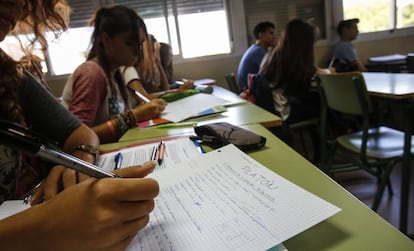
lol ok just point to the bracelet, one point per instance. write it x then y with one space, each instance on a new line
122 125
92 150
129 119
112 129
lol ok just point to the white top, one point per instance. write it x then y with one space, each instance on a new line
130 73
280 102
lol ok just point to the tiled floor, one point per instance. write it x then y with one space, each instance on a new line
363 186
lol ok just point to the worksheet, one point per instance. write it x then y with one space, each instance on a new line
191 106
176 151
225 200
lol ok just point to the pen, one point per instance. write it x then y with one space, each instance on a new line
139 95
331 63
118 160
171 125
161 150
154 153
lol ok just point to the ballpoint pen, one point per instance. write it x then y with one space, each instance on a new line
154 153
118 160
161 151
22 139
139 95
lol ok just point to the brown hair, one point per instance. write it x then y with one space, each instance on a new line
39 16
113 21
291 63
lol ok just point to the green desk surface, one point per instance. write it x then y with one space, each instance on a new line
238 114
356 227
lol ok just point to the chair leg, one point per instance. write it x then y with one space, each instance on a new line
389 186
384 181
302 141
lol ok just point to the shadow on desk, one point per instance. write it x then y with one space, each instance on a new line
318 239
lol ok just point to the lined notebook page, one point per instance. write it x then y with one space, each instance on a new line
224 200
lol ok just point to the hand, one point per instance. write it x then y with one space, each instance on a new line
152 109
102 214
187 85
58 179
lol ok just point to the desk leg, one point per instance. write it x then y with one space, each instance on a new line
405 172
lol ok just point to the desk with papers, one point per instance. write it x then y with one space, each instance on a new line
356 227
239 112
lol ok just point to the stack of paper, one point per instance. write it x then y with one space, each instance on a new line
192 106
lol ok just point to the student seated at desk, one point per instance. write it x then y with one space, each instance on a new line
96 91
95 214
166 59
252 58
282 85
148 76
346 58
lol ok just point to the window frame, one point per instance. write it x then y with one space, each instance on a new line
370 36
177 58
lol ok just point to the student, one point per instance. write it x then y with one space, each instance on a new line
252 58
150 70
282 85
344 52
95 214
96 92
166 59
148 76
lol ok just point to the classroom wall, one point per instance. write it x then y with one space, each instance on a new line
217 68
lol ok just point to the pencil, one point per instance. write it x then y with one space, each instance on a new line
331 63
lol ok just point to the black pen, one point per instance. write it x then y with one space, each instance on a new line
161 151
118 160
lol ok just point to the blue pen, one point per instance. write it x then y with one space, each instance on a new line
118 160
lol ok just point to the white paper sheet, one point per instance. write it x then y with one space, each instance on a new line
224 200
10 207
191 106
176 151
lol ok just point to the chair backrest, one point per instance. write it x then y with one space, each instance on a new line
410 62
345 92
232 83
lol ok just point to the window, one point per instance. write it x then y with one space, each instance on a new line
380 15
194 28
281 12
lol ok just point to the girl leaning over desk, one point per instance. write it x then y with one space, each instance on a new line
96 92
94 214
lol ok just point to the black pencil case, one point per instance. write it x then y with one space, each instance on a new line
220 134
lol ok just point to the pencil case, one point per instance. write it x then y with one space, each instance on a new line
220 134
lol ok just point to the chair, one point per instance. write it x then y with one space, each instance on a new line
374 149
410 62
232 83
301 127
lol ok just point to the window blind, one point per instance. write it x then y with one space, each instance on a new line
83 10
